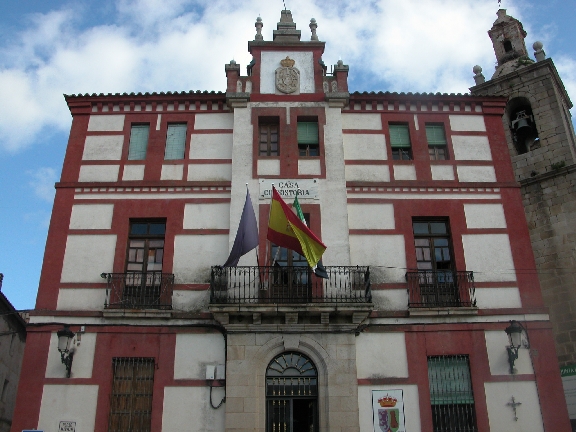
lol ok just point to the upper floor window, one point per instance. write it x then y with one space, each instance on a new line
400 142
146 246
138 141
432 243
437 146
269 136
175 141
308 138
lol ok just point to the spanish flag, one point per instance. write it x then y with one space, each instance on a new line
285 229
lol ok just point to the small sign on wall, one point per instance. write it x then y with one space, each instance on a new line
388 410
67 426
287 188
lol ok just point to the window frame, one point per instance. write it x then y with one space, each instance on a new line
172 146
437 150
308 144
268 123
400 151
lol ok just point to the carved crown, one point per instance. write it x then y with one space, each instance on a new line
387 401
287 62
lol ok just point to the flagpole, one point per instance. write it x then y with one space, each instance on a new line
257 259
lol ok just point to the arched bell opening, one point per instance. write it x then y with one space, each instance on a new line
291 394
522 125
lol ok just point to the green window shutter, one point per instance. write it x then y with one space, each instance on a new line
175 142
449 379
399 136
138 142
435 135
307 133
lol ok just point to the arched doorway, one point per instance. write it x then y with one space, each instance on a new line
291 394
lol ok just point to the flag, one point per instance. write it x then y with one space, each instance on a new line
246 236
319 269
287 230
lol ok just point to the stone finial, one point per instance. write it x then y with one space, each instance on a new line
258 24
501 13
538 51
313 27
478 77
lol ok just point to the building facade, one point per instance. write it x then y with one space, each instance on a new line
414 196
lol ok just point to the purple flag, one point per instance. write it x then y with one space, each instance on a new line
246 236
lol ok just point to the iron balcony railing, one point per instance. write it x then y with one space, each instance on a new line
440 288
151 290
276 284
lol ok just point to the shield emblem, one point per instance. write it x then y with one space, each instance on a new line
389 419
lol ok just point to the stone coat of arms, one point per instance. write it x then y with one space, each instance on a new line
287 77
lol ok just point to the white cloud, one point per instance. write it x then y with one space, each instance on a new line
42 181
175 45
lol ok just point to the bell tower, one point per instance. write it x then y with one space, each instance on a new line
542 145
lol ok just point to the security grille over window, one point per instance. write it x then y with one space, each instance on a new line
291 394
451 394
131 398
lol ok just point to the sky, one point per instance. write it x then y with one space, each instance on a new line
51 48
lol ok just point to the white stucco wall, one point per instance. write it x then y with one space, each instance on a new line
211 146
81 299
484 216
186 300
380 250
172 172
103 147
372 173
390 299
207 216
215 172
98 173
362 121
476 173
371 216
498 298
471 147
496 343
473 123
371 348
100 123
91 216
133 172
364 146
489 256
404 172
83 358
411 406
196 350
501 416
442 172
309 167
194 255
271 62
87 256
268 167
187 408
214 121
68 403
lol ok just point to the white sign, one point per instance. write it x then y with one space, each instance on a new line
287 188
67 426
388 410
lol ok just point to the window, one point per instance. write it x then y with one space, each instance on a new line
433 285
437 147
308 138
507 46
175 142
451 394
144 281
131 398
400 142
138 142
268 141
291 394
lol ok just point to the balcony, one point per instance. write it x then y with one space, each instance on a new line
288 285
152 290
440 289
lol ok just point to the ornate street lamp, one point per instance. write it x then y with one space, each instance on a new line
514 332
65 337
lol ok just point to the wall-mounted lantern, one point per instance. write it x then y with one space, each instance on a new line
65 338
514 332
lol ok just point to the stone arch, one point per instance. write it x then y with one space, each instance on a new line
520 111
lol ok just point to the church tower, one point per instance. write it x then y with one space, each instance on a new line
542 145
